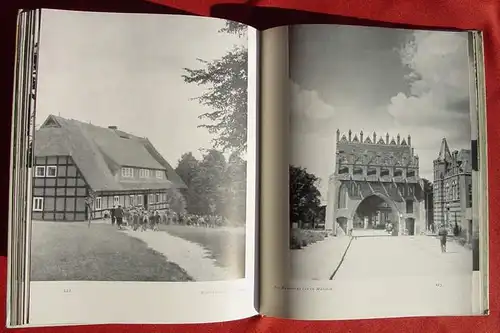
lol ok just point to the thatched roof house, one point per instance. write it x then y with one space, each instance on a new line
75 160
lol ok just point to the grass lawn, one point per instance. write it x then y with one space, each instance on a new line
226 246
63 251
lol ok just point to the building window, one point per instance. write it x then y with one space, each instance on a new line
158 197
411 191
98 203
40 171
127 172
139 199
37 204
144 173
151 198
357 170
470 195
447 191
159 174
51 171
343 196
409 206
116 200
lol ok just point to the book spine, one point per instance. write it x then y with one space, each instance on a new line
24 101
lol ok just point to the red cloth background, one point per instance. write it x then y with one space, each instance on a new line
464 14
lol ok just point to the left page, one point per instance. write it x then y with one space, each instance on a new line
143 180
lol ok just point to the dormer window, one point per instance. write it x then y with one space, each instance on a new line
127 172
144 173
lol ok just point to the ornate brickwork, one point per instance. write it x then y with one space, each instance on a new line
375 181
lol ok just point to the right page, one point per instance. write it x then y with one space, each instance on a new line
385 195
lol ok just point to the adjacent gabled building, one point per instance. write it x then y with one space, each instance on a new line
453 189
74 159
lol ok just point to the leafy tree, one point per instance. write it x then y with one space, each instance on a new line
212 173
189 171
215 186
235 189
226 79
176 201
305 203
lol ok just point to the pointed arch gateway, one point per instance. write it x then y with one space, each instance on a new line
374 212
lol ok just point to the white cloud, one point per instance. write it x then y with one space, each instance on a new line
437 106
308 104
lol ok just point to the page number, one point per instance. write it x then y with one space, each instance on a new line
67 291
439 284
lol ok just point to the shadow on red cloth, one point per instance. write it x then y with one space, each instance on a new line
267 17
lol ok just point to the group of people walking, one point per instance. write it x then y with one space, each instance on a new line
135 217
139 218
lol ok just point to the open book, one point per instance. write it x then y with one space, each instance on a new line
178 169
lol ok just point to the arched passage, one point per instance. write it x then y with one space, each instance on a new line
374 212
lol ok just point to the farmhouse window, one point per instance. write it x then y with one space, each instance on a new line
159 174
51 171
132 200
158 197
144 173
40 171
116 200
98 203
127 172
37 204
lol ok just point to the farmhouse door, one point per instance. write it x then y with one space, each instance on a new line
145 201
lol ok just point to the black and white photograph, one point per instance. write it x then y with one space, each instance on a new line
140 166
381 168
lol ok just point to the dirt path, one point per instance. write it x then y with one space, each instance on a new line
190 256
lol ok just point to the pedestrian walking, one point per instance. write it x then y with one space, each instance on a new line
119 216
443 234
112 213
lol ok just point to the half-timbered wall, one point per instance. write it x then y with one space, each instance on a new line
59 190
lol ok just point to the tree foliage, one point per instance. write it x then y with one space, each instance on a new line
215 186
235 186
188 170
176 201
226 82
305 203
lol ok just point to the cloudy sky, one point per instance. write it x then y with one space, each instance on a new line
125 70
372 79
